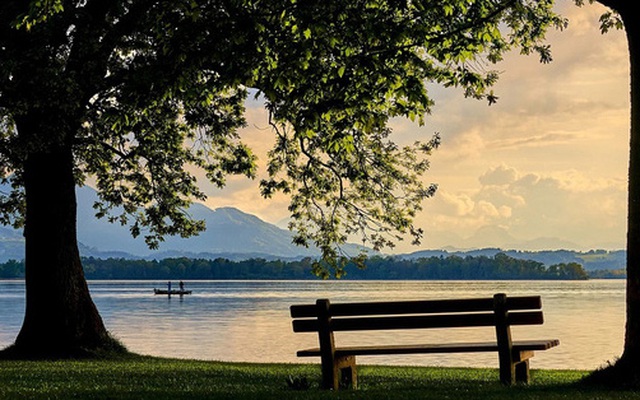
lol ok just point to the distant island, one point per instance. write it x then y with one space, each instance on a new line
498 267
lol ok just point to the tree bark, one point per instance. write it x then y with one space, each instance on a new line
631 352
61 319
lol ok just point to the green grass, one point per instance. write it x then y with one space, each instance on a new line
157 379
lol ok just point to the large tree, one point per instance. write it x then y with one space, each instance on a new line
626 371
141 95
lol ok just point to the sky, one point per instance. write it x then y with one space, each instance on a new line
544 168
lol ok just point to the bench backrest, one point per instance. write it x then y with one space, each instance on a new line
417 314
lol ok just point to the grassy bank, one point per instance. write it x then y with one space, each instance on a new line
153 378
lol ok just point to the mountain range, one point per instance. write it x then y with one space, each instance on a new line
591 260
490 235
236 235
230 233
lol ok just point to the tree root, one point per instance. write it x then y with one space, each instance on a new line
620 374
109 348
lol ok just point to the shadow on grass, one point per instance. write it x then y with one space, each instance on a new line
620 374
158 379
110 348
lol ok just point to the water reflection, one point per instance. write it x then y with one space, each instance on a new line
249 321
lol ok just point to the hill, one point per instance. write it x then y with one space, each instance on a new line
229 230
591 260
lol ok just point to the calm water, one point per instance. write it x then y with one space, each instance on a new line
249 321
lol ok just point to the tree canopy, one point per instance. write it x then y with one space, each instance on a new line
136 95
144 91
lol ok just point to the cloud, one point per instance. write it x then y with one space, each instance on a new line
547 139
567 205
500 175
456 205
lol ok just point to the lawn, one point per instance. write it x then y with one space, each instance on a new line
157 378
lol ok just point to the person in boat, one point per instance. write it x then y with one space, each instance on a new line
181 286
169 286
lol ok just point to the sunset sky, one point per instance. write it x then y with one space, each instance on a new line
549 160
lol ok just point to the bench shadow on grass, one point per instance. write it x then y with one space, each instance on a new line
389 382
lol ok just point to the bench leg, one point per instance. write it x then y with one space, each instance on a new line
521 359
329 375
507 373
522 371
345 370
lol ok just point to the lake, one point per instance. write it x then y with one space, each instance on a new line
249 320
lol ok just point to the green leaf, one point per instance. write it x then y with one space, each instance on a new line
307 33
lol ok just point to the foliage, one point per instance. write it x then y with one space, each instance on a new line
608 274
147 92
453 267
610 19
12 269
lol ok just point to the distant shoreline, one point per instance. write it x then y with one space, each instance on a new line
498 267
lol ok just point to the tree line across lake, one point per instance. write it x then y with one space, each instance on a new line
500 266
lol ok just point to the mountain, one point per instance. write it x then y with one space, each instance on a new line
489 236
230 233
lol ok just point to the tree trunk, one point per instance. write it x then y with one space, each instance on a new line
626 371
631 352
61 320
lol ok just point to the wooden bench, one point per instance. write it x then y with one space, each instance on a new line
500 312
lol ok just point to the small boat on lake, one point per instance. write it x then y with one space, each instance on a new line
168 291
171 292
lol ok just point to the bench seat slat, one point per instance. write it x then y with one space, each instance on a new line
417 307
418 321
522 345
